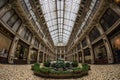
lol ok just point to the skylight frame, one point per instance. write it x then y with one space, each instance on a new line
61 14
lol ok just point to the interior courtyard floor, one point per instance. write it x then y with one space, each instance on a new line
24 72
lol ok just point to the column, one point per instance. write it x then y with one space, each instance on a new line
91 50
29 53
109 50
38 57
12 50
77 55
107 44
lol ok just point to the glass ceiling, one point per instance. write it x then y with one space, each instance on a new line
60 17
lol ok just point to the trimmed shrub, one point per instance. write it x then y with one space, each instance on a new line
47 63
76 70
85 67
74 64
45 70
67 64
36 67
53 65
60 64
60 72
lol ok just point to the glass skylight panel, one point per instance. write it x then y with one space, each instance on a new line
47 17
60 18
73 16
71 23
65 35
54 32
67 28
77 1
66 32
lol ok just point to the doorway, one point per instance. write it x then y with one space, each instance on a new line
21 53
100 53
80 57
116 50
114 38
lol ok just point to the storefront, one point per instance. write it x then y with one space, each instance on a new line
33 55
87 55
114 38
100 53
5 42
21 53
40 57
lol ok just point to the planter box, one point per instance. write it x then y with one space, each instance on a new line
61 76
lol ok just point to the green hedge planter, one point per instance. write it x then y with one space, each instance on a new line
61 76
60 73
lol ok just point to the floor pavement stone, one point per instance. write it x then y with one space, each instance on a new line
24 72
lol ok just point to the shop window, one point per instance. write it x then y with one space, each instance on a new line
108 19
94 33
3 2
87 52
114 38
100 52
21 52
33 55
62 56
87 55
4 45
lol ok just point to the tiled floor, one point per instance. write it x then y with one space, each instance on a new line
23 72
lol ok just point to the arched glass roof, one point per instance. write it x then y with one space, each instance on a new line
60 16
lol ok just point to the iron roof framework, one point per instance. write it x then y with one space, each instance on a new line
60 16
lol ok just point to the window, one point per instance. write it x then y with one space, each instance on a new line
94 33
12 20
108 19
36 42
3 2
17 24
23 32
27 35
7 15
84 42
87 52
78 47
30 36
